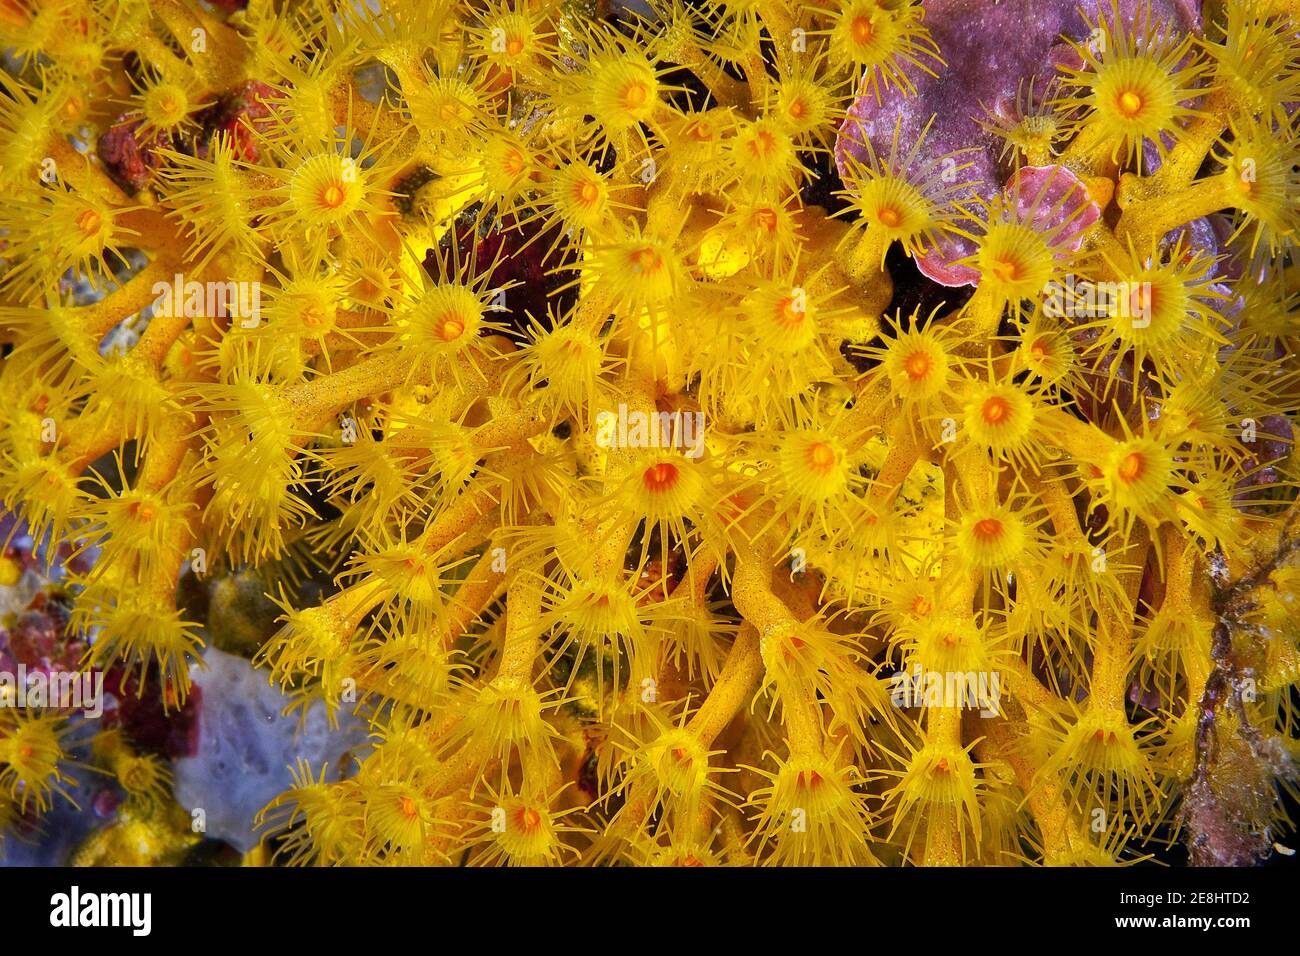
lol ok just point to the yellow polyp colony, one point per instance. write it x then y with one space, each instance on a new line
623 487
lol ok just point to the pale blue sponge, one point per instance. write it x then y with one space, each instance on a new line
246 747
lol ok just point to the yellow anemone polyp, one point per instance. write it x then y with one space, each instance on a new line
813 465
948 644
1000 417
918 367
326 190
624 90
1015 261
992 539
1137 474
447 316
166 105
1100 762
